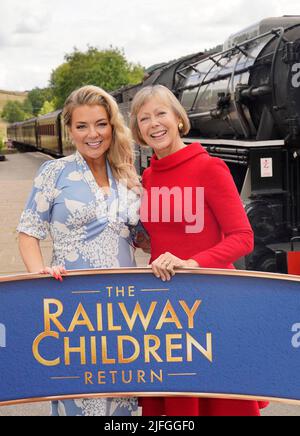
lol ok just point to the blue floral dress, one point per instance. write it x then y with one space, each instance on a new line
89 230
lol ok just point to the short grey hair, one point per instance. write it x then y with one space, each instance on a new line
167 97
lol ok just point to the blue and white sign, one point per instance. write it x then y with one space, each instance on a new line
205 333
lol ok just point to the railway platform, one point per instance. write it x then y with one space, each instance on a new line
16 178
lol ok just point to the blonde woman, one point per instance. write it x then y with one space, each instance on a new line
87 202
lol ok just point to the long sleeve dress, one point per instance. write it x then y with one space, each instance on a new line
224 237
89 230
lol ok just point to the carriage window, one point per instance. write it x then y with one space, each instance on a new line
47 130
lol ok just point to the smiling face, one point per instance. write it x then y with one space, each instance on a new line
158 125
91 131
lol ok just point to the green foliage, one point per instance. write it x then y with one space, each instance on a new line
37 97
108 69
136 74
14 111
27 108
1 143
48 106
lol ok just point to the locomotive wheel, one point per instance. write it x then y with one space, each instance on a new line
262 259
262 222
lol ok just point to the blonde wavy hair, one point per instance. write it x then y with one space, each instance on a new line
168 98
121 152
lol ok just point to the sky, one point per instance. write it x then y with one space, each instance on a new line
35 35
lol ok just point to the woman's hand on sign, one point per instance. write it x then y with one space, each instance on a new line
55 271
164 266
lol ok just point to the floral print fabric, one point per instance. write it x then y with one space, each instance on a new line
89 230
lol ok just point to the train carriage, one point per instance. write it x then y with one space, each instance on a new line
49 133
19 133
29 132
67 145
12 133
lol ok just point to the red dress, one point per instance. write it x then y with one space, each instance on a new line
226 236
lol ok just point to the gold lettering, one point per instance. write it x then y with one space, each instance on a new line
35 349
151 349
120 291
93 350
128 381
168 309
141 376
131 291
88 376
113 376
48 317
71 350
135 355
159 377
206 352
109 288
85 321
190 312
99 318
125 377
170 347
101 378
110 315
138 312
105 359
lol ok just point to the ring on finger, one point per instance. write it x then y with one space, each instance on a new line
167 262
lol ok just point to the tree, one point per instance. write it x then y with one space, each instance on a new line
14 111
108 69
37 97
27 108
48 106
136 74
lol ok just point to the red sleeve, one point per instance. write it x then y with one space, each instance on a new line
223 198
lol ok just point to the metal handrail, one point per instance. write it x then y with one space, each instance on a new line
281 38
237 46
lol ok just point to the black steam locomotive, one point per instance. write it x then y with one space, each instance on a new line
244 107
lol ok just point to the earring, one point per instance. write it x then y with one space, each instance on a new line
180 126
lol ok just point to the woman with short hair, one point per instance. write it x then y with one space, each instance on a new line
213 230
